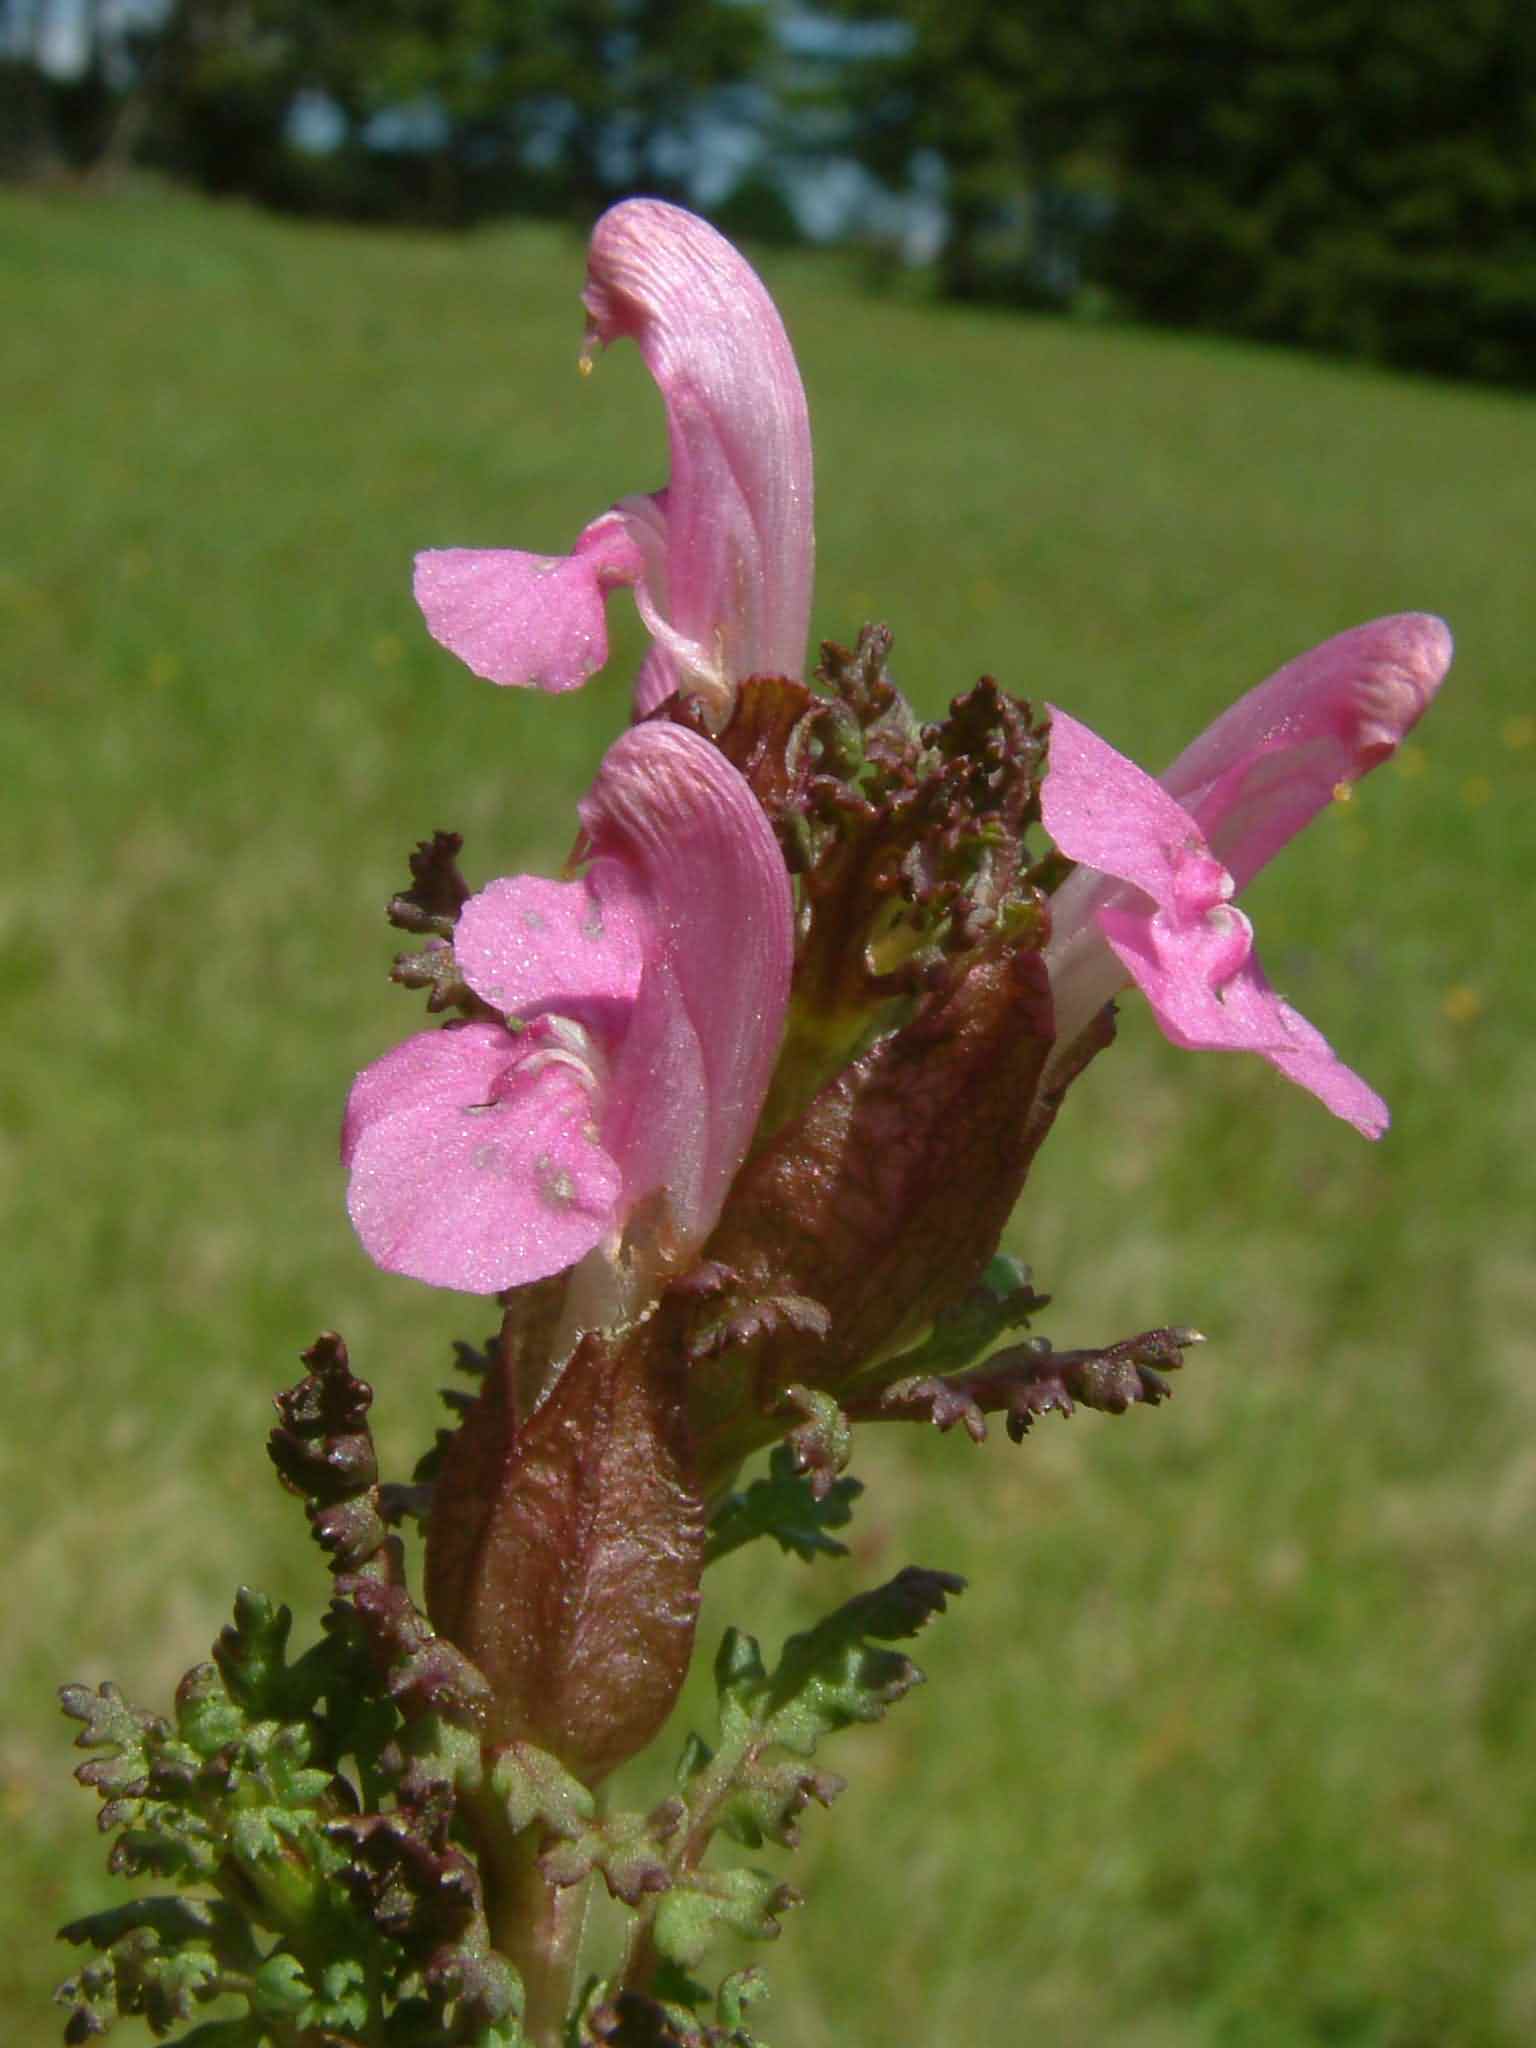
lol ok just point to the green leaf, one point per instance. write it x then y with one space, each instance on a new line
321 1797
767 1805
740 1672
783 1504
744 1902
173 1846
743 1988
278 1989
176 1982
253 1838
207 1719
163 1980
826 1679
628 1848
251 1654
172 1920
1003 1299
340 2000
112 1724
535 1786
822 1444
836 1674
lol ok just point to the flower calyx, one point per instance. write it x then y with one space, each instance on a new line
565 1546
907 843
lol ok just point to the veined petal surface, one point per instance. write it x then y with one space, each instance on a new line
1267 766
688 1080
738 506
1153 893
529 947
721 558
521 618
475 1161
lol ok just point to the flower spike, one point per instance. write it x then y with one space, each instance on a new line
721 559
1159 861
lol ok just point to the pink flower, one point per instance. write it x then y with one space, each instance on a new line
1150 903
643 1004
720 560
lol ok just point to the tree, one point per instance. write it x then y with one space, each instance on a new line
67 69
1332 171
578 98
1006 96
1329 171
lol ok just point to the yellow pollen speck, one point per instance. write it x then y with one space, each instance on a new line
1343 792
1411 761
1462 1005
584 363
1521 731
1476 791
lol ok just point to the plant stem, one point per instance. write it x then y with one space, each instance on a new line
537 1926
709 1792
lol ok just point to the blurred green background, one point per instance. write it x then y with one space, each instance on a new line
1230 1741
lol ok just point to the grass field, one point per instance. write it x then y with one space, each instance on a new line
1230 1745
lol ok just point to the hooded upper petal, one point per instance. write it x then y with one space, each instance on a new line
738 511
1268 765
721 560
689 1079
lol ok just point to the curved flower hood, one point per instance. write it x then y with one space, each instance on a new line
720 560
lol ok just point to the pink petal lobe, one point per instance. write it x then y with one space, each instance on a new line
1102 810
1213 996
529 946
1152 892
1187 972
473 1160
520 618
739 499
1311 1062
710 1011
1268 765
